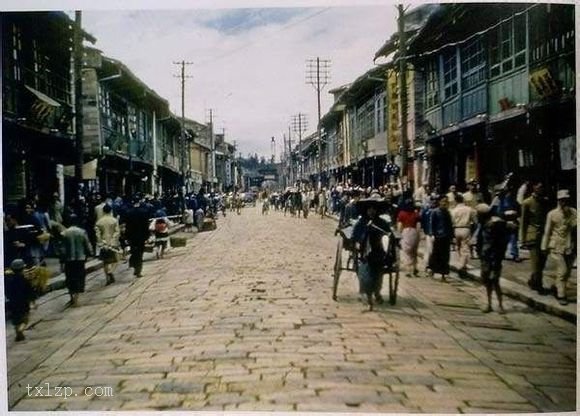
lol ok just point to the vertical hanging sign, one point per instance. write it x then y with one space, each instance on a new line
393 131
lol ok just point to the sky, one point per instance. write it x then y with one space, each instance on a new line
249 64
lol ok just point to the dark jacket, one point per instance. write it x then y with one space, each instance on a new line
492 241
365 232
137 225
441 225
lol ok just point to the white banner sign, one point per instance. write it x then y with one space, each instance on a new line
568 153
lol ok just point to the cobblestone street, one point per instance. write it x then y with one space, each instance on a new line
242 319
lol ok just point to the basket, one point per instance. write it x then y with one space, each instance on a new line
177 241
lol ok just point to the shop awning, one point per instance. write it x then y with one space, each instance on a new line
43 97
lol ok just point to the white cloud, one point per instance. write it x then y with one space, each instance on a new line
254 78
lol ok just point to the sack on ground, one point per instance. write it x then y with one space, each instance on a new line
177 241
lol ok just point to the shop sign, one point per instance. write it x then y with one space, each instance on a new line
568 153
393 132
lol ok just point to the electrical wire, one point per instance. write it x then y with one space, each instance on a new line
461 42
247 45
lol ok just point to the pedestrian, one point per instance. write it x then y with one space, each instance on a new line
322 202
77 248
442 228
506 206
558 241
472 196
368 233
137 232
408 221
492 243
421 194
425 215
532 222
188 220
19 294
37 226
265 206
161 229
451 196
464 220
16 240
108 232
56 209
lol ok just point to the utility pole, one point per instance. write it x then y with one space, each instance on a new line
212 147
318 75
299 125
290 162
286 159
273 149
182 135
403 90
78 77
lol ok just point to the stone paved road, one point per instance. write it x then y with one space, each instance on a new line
242 319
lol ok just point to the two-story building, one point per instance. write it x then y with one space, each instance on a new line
498 90
37 103
128 129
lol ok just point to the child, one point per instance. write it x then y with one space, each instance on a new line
161 236
492 244
19 293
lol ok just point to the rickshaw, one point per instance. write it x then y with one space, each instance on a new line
346 247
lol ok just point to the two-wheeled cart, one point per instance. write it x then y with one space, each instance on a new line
346 248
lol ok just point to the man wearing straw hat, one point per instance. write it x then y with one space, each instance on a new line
368 233
560 225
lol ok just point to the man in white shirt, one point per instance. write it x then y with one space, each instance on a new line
463 218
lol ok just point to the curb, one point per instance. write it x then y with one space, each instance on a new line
516 291
57 282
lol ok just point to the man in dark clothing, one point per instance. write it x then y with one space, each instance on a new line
19 293
368 233
491 245
441 228
15 241
137 232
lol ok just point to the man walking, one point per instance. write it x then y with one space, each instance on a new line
463 218
137 231
532 222
108 231
492 241
560 226
442 229
77 248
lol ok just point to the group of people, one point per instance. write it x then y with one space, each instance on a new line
34 230
489 226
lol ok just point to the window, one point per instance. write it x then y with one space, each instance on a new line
365 120
431 85
449 74
380 112
472 64
507 46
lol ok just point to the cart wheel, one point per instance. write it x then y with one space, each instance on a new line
337 268
393 285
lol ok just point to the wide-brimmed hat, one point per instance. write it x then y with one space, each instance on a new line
374 200
563 194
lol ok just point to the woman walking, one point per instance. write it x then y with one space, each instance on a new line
77 248
408 221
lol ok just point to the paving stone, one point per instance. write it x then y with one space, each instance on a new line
260 332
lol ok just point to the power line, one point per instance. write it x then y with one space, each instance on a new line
247 45
467 39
